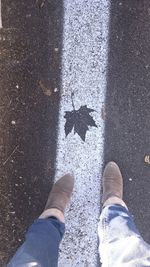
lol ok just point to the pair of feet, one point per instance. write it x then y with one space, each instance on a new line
62 190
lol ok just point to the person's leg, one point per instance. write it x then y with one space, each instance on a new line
120 242
41 246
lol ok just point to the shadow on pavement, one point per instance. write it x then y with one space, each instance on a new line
30 50
127 131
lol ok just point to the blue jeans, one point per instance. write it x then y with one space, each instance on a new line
120 242
41 246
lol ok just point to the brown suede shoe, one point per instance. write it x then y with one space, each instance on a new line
112 182
60 193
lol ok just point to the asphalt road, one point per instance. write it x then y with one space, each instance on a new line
127 128
31 49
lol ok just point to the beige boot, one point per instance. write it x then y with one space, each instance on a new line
112 185
59 197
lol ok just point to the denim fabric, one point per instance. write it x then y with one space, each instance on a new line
120 242
41 246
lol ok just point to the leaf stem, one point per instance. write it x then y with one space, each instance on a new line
72 94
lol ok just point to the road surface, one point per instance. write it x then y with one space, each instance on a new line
58 57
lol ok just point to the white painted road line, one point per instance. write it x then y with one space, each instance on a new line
84 70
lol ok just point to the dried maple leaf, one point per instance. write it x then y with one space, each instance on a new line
79 119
